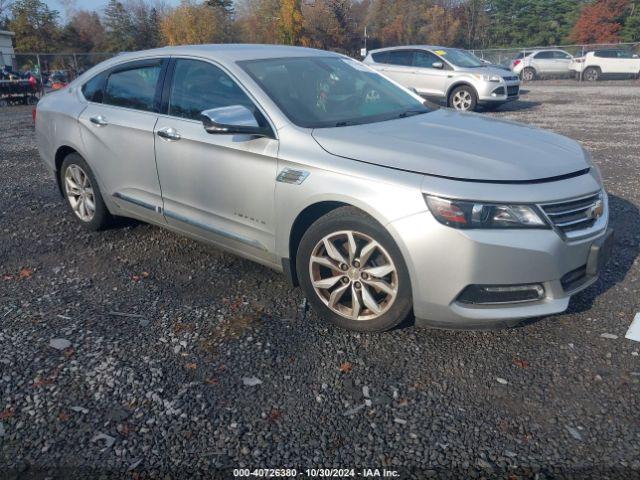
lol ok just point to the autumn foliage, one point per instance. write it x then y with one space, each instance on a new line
600 22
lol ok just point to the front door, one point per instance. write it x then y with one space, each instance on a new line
117 127
218 187
428 79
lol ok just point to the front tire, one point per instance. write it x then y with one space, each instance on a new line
82 194
353 273
463 99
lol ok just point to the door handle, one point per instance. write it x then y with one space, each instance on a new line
169 134
99 121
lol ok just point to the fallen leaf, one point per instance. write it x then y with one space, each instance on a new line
69 352
346 367
144 274
212 381
63 416
7 413
521 363
25 273
274 415
191 366
7 276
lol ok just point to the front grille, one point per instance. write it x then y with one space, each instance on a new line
510 79
499 91
575 215
513 90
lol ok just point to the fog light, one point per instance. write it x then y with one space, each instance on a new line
495 294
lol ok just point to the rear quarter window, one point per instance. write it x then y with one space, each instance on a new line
93 90
381 57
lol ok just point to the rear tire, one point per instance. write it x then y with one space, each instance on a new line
82 194
528 74
591 74
353 273
463 99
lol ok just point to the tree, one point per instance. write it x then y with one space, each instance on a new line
600 22
631 26
258 21
119 27
290 21
35 26
192 23
331 24
83 33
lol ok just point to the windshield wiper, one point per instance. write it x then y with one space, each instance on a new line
411 113
345 123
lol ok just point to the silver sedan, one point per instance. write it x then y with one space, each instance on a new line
315 165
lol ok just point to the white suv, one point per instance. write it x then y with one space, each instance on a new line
541 63
594 65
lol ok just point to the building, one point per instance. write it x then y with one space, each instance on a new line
7 56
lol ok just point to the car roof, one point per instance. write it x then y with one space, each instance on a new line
230 52
413 47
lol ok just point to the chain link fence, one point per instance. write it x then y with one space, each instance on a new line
39 73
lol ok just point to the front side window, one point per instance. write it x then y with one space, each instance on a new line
133 88
199 86
317 92
561 55
544 55
425 59
460 58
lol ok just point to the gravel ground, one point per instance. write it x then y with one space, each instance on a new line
141 354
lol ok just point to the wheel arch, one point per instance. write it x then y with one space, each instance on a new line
300 225
61 153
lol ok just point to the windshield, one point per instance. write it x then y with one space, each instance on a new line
460 58
317 92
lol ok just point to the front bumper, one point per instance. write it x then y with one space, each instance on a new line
498 92
443 261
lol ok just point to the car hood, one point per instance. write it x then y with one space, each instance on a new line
488 70
457 145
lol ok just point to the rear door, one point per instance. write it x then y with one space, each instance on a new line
117 130
216 186
399 67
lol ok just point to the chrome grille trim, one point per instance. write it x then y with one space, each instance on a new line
573 218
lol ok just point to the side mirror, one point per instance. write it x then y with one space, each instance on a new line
235 119
438 65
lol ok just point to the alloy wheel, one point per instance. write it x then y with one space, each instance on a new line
462 100
353 275
528 75
80 192
591 74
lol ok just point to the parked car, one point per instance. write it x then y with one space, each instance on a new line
541 63
606 63
457 76
318 166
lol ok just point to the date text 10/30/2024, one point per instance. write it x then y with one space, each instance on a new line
316 473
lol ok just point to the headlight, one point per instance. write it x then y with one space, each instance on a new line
463 214
488 78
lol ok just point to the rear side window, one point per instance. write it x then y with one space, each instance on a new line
604 54
401 57
133 88
199 86
93 89
381 57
